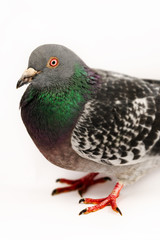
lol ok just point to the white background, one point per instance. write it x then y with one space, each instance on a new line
123 36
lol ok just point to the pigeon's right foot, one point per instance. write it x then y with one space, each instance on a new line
103 202
81 184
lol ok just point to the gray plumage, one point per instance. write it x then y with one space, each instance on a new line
112 123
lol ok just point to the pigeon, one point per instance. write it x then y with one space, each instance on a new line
90 120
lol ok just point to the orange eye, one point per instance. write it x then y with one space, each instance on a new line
53 62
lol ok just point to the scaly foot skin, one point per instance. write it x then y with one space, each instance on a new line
103 202
81 184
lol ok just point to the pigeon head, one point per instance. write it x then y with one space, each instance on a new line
50 64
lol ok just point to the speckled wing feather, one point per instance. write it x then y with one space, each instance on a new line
121 123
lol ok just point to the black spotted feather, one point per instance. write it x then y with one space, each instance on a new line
121 123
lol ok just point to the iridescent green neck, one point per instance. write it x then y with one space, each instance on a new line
56 108
61 105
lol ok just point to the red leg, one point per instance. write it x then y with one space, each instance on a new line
103 202
81 184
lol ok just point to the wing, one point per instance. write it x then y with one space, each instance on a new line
121 124
153 83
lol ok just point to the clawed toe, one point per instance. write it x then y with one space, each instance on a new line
83 211
82 200
103 202
81 184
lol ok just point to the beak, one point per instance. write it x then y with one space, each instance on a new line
27 77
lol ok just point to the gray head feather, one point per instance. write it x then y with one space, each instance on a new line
67 61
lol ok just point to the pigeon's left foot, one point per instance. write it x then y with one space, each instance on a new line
103 202
81 184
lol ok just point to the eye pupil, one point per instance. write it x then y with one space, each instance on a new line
53 62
